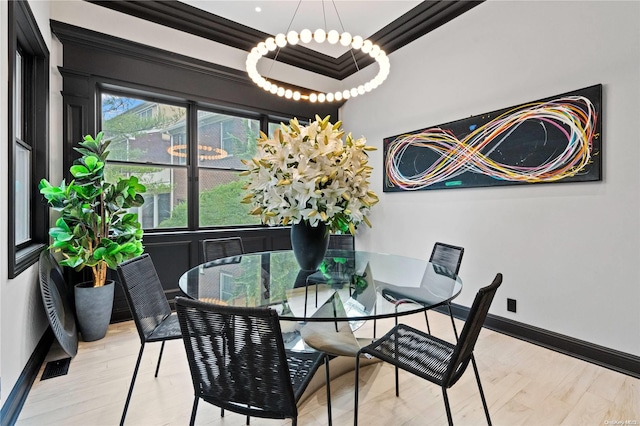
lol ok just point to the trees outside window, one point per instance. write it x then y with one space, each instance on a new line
152 140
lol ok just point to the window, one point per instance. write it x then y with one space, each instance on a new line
28 132
192 176
148 140
220 155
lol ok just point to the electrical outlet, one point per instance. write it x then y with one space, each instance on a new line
511 305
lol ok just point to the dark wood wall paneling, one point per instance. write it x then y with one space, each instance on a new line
175 253
92 61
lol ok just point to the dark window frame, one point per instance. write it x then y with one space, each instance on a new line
25 37
192 165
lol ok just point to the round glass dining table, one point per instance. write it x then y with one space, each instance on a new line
324 307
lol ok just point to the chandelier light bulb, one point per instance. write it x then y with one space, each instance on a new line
319 35
366 46
292 37
305 36
356 43
345 39
333 36
281 40
271 44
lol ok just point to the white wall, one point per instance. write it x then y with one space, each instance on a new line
570 252
22 316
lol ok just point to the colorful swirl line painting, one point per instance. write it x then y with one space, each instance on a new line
551 140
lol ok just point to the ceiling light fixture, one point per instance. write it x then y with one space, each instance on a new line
319 36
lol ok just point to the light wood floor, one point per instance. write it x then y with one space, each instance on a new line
524 384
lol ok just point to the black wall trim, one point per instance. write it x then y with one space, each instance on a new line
609 358
419 21
90 54
16 399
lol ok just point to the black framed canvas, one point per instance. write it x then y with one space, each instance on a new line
556 139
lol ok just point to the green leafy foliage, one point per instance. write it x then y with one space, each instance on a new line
219 206
94 229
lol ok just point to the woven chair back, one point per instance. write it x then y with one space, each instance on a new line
447 256
342 242
218 248
237 358
144 293
472 326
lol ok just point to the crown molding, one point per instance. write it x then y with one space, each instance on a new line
420 20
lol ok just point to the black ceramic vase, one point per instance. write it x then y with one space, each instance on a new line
309 244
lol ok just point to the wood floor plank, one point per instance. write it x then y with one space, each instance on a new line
524 385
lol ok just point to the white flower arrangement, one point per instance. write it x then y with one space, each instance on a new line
308 173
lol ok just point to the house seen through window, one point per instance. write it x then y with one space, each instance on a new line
151 140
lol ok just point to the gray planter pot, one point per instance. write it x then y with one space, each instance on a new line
93 309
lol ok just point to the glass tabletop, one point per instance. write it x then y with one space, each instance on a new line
349 285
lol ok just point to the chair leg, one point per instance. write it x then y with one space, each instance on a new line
328 385
193 411
426 318
453 323
484 401
374 328
294 421
159 358
355 395
446 406
396 365
133 382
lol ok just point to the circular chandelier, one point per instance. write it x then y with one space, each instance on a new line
319 36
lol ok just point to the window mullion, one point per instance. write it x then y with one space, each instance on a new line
194 170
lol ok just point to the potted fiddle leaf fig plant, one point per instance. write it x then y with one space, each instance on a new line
94 230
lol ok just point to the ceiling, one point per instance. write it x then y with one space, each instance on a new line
388 23
363 18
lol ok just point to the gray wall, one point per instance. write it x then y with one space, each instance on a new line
569 252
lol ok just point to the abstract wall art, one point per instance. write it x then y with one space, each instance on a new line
557 139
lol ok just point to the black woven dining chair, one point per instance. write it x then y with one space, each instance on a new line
431 358
218 248
150 310
238 361
446 260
